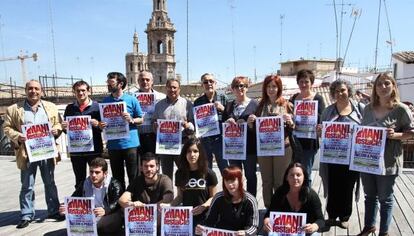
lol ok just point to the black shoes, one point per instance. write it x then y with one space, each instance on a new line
58 217
367 230
23 224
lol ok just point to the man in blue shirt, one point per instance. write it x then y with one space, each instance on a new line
123 150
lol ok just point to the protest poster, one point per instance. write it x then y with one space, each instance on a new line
306 118
116 126
336 142
206 120
234 141
176 221
209 231
368 148
80 219
287 224
40 143
270 136
79 134
147 102
141 221
168 137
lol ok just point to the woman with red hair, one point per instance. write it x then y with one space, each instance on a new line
234 208
273 104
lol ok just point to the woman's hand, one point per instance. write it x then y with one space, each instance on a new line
102 125
319 130
266 225
240 233
94 122
198 210
231 121
390 133
199 230
250 120
64 125
310 228
219 106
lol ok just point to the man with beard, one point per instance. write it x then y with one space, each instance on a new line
123 150
106 192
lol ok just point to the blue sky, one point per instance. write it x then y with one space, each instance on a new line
92 37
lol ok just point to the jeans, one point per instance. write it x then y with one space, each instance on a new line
307 161
27 194
117 159
249 171
378 188
214 145
79 164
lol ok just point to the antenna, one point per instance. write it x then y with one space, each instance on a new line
188 57
356 13
376 44
390 41
232 7
2 50
282 17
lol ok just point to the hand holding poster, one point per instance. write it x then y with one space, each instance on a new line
177 221
168 137
147 103
116 126
208 231
80 137
270 136
287 223
40 143
206 120
80 219
234 141
306 118
336 142
141 221
368 148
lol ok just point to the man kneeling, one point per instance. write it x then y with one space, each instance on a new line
106 192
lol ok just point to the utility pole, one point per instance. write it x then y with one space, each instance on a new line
282 17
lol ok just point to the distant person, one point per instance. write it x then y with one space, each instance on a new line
174 107
361 97
213 144
123 151
238 111
106 192
33 110
84 106
234 208
385 110
295 195
308 146
273 104
146 132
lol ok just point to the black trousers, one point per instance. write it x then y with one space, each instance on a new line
147 143
119 158
341 184
79 165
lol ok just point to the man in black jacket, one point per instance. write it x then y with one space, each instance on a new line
106 191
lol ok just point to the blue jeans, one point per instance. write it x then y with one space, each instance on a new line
214 145
27 194
307 161
249 171
378 188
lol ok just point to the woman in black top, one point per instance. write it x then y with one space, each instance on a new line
196 184
296 196
233 208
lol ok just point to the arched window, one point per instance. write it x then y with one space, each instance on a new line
159 23
131 66
169 46
158 4
160 47
139 66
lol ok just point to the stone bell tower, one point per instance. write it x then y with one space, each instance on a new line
161 50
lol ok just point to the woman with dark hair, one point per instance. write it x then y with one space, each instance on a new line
385 110
196 184
338 180
309 147
238 111
273 104
233 208
295 195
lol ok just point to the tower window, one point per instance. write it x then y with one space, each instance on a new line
158 4
131 66
158 24
160 47
160 79
169 47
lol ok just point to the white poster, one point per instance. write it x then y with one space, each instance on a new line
177 221
206 120
80 219
168 137
40 143
270 136
116 126
287 224
141 221
234 141
306 118
79 133
336 142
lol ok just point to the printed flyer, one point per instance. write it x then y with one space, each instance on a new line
168 137
270 136
147 103
79 134
306 118
208 231
206 120
287 224
336 142
177 221
234 141
117 127
40 143
141 221
368 148
80 219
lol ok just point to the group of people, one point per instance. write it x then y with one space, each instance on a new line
286 180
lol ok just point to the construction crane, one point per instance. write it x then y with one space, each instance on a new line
21 57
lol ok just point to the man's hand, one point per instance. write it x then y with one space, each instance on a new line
62 209
99 212
21 138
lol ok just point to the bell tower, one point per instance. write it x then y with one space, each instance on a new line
161 50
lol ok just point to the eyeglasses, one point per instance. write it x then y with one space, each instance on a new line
207 81
240 86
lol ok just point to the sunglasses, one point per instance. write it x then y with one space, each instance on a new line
209 82
240 86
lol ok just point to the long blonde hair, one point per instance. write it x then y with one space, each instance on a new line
395 95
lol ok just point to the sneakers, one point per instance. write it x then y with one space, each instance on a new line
343 224
23 224
58 217
383 234
367 231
